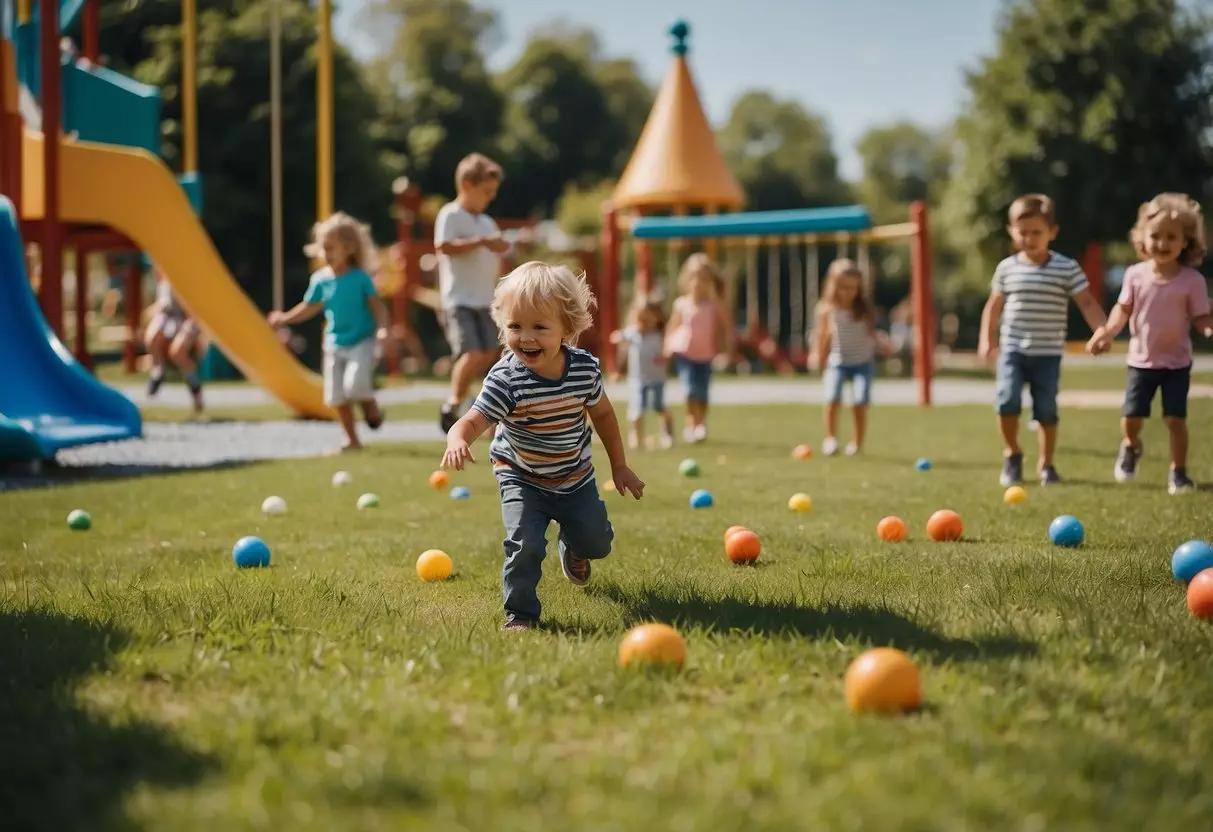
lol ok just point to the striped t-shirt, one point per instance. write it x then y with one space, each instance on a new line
1037 300
543 433
852 341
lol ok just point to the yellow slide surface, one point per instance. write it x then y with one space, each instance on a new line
133 192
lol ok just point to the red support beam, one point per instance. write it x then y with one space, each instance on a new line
82 354
50 292
1092 264
92 30
922 301
10 125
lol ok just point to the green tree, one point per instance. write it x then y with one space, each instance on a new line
1099 104
902 163
781 154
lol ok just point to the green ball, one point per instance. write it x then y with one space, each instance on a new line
79 520
689 468
368 501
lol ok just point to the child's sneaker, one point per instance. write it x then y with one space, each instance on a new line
576 569
1126 463
829 446
700 433
447 417
1049 476
666 441
1179 482
633 440
1012 469
688 434
154 380
851 449
516 622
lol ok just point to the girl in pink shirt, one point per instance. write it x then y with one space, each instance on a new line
1161 299
699 325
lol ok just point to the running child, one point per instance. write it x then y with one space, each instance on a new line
647 369
172 335
344 290
698 331
1161 299
539 395
1030 294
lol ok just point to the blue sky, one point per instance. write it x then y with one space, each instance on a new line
858 63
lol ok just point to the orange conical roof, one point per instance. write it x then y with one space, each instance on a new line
676 162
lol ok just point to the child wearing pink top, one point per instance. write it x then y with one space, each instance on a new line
1161 299
699 322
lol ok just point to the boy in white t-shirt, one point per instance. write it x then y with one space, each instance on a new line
469 245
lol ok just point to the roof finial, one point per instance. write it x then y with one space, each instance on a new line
679 31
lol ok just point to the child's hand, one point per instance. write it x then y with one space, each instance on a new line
1098 344
275 318
457 453
985 351
626 482
616 336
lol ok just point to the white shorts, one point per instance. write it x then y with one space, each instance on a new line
349 372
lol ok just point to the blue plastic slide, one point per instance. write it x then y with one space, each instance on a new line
47 400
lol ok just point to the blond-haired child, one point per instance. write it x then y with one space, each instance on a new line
345 291
699 329
539 396
647 369
1161 299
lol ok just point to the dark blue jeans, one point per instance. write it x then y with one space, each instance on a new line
585 531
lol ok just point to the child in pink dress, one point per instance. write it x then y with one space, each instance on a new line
1161 299
699 323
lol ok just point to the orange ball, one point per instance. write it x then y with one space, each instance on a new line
439 480
652 645
743 546
731 530
1200 595
883 680
945 524
891 529
802 452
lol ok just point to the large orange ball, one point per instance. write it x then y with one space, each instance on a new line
891 529
945 524
439 480
1200 594
652 645
729 532
743 546
883 680
802 452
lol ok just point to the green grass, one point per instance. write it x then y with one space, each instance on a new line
146 683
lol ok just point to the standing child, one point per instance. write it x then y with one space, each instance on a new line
644 337
698 324
1030 293
172 335
845 344
1161 298
344 290
539 395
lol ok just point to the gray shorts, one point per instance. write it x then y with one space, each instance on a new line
349 373
470 329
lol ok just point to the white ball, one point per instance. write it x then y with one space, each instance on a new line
342 478
274 505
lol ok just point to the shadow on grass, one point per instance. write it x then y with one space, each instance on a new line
62 767
21 477
688 607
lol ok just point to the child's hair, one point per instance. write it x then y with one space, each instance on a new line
699 263
648 303
545 286
1032 205
861 308
1181 208
476 168
355 236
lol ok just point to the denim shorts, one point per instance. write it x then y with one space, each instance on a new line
1144 382
646 395
696 376
1042 375
860 376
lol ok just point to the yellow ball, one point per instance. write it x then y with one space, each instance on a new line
434 565
1014 495
652 645
609 485
883 680
801 502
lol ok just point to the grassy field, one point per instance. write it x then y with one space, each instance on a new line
146 683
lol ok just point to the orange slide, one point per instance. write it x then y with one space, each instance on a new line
133 192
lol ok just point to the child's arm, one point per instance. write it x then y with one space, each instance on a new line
1102 338
378 312
671 326
467 430
821 336
606 423
991 314
1204 325
302 311
1091 311
725 324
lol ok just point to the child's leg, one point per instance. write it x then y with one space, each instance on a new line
861 393
831 387
1140 385
335 394
157 347
1044 376
524 513
345 413
1175 385
1009 404
703 383
1179 442
667 421
359 381
585 530
636 402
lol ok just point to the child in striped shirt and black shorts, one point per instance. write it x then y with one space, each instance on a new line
539 395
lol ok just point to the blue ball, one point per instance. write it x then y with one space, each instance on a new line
251 551
1066 530
923 465
1191 558
460 493
701 499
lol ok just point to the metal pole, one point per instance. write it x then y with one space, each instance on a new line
189 84
276 148
324 112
